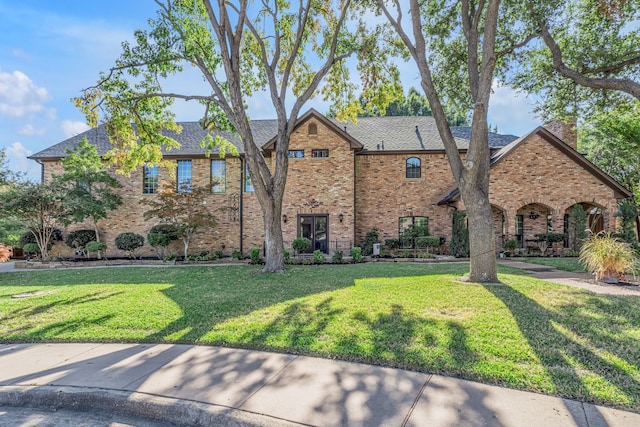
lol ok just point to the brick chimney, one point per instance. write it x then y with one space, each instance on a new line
566 131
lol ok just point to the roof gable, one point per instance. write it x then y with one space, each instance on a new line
312 113
619 189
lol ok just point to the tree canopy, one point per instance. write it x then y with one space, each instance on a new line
586 58
280 50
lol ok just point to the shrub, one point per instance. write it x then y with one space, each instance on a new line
318 257
31 248
392 243
578 227
169 230
159 243
428 242
356 254
28 237
546 240
510 245
4 253
237 255
371 237
97 247
301 244
628 213
255 256
129 242
337 257
219 254
78 239
607 256
459 246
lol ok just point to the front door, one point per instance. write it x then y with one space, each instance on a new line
314 228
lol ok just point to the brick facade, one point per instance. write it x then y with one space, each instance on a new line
352 190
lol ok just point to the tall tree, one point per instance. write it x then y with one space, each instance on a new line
457 46
240 48
460 47
90 190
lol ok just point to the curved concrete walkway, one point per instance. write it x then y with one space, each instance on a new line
577 279
202 386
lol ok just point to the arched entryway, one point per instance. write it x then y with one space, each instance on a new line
594 221
532 219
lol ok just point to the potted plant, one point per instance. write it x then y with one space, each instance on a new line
607 257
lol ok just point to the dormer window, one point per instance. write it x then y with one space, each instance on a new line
313 129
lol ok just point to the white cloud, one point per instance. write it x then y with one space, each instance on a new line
18 162
20 96
73 128
511 110
19 53
30 130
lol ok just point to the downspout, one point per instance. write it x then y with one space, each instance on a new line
241 196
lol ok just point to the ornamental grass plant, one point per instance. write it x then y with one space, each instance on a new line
608 257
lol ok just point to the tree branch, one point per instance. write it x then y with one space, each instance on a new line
623 85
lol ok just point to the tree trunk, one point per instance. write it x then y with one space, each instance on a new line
185 240
274 245
482 263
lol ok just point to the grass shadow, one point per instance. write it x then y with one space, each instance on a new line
585 348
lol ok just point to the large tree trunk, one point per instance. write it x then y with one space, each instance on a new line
481 235
274 245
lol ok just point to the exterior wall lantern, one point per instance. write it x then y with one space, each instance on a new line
534 215
284 218
341 217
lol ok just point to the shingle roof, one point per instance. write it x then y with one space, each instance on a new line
374 133
410 133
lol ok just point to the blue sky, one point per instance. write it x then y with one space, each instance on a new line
51 50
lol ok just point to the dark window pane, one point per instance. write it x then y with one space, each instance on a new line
319 153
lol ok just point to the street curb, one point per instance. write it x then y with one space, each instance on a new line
134 404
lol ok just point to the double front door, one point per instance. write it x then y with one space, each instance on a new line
314 228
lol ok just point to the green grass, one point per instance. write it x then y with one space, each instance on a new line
565 264
526 334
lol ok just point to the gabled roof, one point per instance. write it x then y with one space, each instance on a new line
620 190
331 124
370 134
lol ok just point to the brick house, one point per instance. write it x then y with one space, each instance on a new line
383 172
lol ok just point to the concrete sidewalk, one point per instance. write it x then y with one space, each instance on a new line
193 385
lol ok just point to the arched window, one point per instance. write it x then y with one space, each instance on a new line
313 129
413 167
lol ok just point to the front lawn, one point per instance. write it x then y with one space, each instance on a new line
527 334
